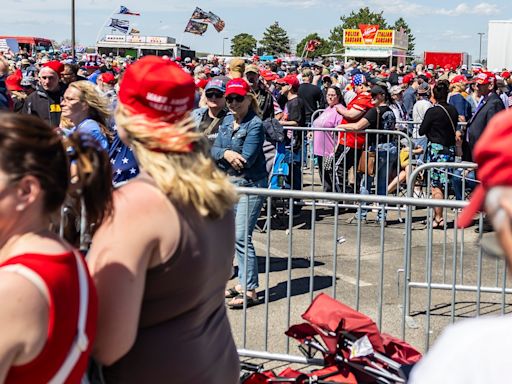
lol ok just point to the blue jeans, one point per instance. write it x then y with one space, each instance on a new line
457 182
247 212
386 151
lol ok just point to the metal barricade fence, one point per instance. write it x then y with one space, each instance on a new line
357 264
341 175
461 276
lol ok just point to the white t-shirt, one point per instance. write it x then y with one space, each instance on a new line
472 351
418 114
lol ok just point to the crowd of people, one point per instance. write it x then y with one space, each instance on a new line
166 141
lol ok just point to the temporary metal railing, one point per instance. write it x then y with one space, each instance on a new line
362 253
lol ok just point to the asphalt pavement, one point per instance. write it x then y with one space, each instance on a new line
364 269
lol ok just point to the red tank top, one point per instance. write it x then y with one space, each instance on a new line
59 272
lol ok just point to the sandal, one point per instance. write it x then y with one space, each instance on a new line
231 292
438 224
238 302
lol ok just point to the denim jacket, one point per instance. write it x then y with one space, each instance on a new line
246 140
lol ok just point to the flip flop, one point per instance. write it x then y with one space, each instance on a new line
231 293
438 224
250 302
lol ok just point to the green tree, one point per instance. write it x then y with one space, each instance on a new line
400 23
352 21
275 40
323 48
243 44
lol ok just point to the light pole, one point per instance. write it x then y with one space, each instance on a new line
73 29
223 40
480 54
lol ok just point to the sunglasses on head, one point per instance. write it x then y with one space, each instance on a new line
214 94
232 98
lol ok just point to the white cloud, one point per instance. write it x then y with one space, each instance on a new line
407 8
486 9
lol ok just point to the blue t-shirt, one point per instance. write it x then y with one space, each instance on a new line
92 128
461 105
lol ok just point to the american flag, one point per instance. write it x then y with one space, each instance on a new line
122 159
120 25
126 11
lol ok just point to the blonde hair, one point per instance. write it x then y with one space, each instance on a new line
457 87
186 177
255 105
99 109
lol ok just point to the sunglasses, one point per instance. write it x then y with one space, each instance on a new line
214 94
236 98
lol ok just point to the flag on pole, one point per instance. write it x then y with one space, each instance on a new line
125 11
199 14
196 27
216 21
312 45
208 17
134 31
120 25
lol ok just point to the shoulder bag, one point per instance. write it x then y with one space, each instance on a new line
458 144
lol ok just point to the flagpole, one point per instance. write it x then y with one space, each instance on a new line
105 23
304 52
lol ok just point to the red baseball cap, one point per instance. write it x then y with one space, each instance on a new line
237 86
55 65
459 79
108 77
407 78
13 82
484 78
201 83
505 74
269 75
157 88
289 80
494 158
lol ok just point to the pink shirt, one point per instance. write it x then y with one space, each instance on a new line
325 142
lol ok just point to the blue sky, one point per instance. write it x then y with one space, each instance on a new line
448 25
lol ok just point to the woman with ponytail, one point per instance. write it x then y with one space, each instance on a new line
47 294
161 263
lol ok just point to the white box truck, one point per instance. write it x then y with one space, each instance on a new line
499 45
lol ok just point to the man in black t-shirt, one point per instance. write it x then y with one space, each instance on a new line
312 95
294 115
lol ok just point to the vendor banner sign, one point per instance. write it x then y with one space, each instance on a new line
372 36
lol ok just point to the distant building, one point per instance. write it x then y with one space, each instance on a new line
137 46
